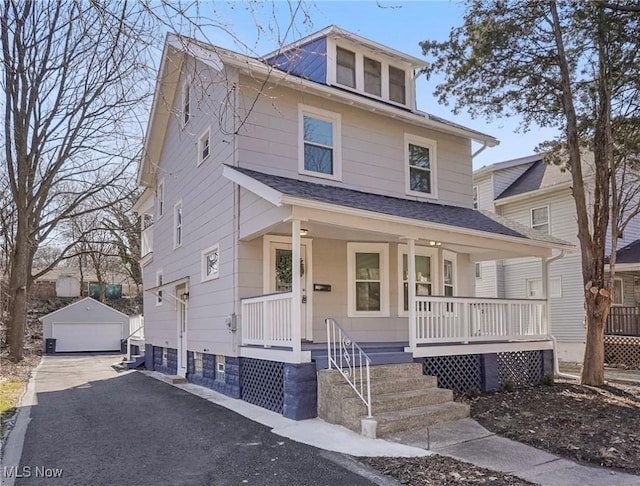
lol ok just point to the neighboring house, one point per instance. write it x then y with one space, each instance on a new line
315 162
533 193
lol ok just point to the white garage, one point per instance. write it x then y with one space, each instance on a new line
85 325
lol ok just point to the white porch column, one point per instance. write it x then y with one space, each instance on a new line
411 281
296 290
545 294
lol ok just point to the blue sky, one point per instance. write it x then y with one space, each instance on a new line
398 24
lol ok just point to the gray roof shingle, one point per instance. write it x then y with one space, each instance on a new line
629 253
422 211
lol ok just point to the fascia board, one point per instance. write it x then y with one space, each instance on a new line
297 201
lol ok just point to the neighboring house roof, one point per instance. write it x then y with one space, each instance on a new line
539 176
507 164
83 302
460 217
628 254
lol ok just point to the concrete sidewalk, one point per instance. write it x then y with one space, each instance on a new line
465 440
468 441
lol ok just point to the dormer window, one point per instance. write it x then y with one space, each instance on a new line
346 67
397 85
371 73
372 76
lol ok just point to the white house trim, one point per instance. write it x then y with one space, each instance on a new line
86 299
383 250
410 139
427 251
250 184
336 122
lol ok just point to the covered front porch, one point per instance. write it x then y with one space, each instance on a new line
378 277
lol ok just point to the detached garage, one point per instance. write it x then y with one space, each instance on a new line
85 325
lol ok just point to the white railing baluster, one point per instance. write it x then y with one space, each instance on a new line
470 319
267 320
345 355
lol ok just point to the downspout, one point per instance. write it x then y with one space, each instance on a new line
477 152
556 367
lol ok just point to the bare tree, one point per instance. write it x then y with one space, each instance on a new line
75 77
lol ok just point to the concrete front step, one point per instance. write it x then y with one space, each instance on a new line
397 385
395 421
383 373
354 408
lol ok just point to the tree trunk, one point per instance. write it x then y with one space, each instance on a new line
596 316
18 286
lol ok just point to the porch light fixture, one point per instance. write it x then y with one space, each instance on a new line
435 243
304 231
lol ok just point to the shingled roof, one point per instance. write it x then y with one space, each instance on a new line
404 208
629 253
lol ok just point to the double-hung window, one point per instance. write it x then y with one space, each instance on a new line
420 166
204 146
368 279
177 225
372 76
346 67
397 85
186 102
320 143
540 219
617 296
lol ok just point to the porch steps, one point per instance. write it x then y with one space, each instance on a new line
136 361
380 354
402 398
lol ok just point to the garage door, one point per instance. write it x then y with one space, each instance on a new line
73 337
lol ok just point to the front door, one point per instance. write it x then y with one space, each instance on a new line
280 279
181 306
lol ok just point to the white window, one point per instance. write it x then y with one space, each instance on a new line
535 290
420 166
346 67
160 195
425 267
320 144
211 263
204 148
449 274
617 295
159 284
186 102
197 363
220 367
372 76
476 199
368 279
177 225
478 270
397 85
540 219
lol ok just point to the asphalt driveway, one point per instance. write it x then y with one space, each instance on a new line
95 426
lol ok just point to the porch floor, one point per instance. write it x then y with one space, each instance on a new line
381 353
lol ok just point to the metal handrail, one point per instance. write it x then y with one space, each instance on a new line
349 359
141 327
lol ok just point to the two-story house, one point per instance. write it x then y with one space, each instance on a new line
533 193
302 213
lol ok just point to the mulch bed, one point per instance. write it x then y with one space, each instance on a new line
438 470
595 425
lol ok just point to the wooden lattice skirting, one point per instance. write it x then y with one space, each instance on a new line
622 350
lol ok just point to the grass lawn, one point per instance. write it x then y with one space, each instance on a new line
10 391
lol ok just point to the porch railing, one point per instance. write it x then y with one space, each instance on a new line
623 321
136 327
455 319
350 360
267 320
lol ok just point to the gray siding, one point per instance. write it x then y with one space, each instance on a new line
208 214
487 284
372 146
485 193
